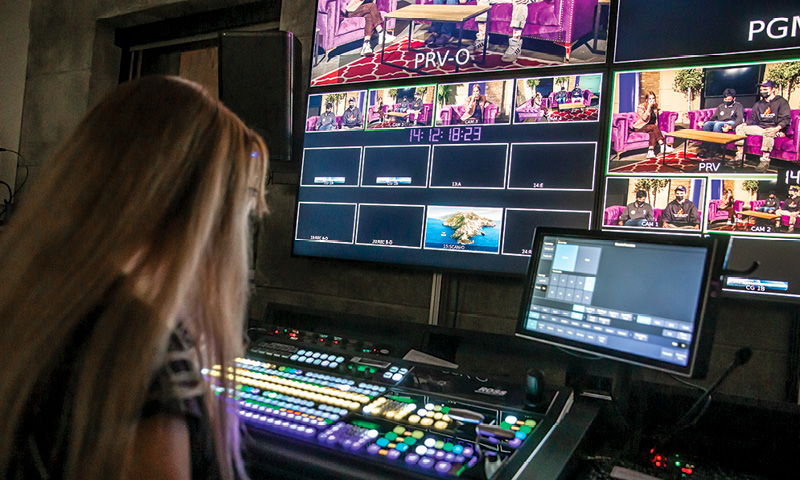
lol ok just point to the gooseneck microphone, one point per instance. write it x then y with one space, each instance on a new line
742 356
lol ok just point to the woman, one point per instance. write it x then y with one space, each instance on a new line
474 106
532 107
647 122
127 265
726 203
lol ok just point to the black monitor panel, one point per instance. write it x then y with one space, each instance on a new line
584 292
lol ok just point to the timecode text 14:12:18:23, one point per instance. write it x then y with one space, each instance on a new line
451 134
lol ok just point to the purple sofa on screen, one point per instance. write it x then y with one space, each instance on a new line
451 115
622 139
562 22
714 214
786 148
312 122
335 29
784 218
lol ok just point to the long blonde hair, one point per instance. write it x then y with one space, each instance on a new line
145 204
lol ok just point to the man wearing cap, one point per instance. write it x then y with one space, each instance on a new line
326 121
769 119
680 212
351 118
638 213
728 115
791 207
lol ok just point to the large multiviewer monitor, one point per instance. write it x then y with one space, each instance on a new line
645 300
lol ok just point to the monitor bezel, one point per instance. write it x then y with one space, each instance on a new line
697 366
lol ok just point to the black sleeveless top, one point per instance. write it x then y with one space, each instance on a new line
176 389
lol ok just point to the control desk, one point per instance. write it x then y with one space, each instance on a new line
316 411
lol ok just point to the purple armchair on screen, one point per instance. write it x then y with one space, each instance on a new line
611 214
623 139
452 115
335 29
714 214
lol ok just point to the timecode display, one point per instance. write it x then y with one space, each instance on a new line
447 134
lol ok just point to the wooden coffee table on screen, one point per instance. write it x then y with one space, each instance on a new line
436 13
703 136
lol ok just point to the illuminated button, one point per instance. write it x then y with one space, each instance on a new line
467 452
439 444
294 357
382 442
440 425
511 419
383 451
399 430
426 462
373 434
391 436
421 450
333 365
410 440
449 457
412 458
515 443
393 454
418 434
439 455
437 416
530 422
443 467
413 419
437 408
429 406
521 435
430 442
316 354
373 449
393 369
427 422
309 360
457 449
325 363
387 375
340 359
317 361
403 371
301 352
402 447
525 429
397 377
505 426
448 447
323 356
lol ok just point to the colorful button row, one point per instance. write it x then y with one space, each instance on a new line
278 424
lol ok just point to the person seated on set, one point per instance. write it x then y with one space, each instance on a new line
378 110
373 22
770 204
562 96
769 118
647 121
791 207
441 33
576 95
327 120
519 17
728 115
726 203
474 106
125 276
351 118
415 107
403 106
680 212
534 105
638 213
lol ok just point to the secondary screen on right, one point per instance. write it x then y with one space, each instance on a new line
585 292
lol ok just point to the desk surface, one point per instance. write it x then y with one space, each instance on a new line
397 114
567 106
703 136
439 13
753 213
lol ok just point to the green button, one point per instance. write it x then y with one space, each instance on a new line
525 429
439 444
448 447
437 408
445 409
506 426
418 434
530 422
411 441
399 430
391 436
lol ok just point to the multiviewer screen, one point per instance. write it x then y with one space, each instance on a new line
639 299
